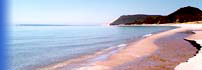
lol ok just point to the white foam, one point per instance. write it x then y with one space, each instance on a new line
147 35
122 45
94 67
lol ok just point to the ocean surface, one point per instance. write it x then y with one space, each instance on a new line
38 46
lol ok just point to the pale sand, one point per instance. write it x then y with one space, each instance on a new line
148 48
194 63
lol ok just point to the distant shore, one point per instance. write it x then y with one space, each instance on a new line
168 24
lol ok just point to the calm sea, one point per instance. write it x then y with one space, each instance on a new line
41 45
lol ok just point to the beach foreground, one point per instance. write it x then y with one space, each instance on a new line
193 63
163 51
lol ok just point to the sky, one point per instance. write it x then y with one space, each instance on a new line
88 11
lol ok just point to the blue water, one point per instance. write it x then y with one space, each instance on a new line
41 45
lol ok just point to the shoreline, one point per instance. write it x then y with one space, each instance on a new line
185 24
144 51
87 59
117 60
167 24
81 60
84 60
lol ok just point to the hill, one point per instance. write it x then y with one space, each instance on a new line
131 19
185 14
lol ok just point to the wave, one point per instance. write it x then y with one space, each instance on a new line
147 35
83 61
121 45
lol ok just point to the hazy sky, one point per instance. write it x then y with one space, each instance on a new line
88 11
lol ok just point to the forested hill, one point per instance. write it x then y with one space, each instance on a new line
185 14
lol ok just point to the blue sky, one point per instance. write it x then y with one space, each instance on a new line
88 11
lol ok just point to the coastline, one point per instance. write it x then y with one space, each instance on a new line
175 25
139 49
153 57
154 52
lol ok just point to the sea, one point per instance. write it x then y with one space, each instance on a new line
32 47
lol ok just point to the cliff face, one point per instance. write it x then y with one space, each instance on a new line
185 14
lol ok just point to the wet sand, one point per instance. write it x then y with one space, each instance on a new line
195 62
162 51
197 36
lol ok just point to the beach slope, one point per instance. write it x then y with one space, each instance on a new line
195 62
162 51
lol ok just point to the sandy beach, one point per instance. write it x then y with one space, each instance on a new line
102 35
162 51
193 63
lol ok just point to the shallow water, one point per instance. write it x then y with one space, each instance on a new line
42 45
